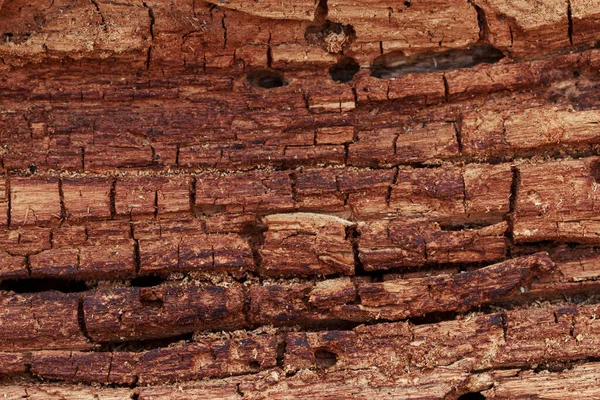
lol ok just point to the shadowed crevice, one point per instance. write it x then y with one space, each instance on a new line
395 64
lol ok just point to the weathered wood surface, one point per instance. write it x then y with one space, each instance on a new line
332 199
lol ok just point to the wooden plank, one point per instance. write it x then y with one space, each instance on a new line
207 254
206 358
112 258
580 379
305 244
556 201
398 299
47 320
12 363
398 347
516 132
87 197
456 26
253 191
146 196
34 201
397 243
58 392
142 313
408 143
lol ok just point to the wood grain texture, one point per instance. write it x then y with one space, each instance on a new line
332 199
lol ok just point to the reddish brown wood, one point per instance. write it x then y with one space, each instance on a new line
332 200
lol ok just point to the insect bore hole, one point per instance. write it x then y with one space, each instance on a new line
266 79
254 366
325 358
344 70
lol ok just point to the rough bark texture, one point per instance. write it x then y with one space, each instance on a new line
287 199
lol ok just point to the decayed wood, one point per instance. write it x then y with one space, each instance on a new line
331 199
474 343
203 253
393 299
567 212
578 379
322 242
207 149
41 321
56 392
202 359
506 384
396 243
148 312
35 201
419 296
139 196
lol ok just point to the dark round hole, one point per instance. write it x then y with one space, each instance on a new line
266 79
472 396
344 70
325 358
407 3
32 168
576 74
254 366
